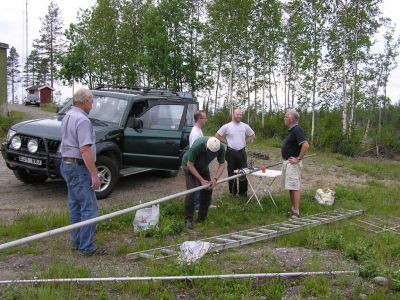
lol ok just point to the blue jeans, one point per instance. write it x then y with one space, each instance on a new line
82 204
197 197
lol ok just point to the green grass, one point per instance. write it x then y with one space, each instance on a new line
375 254
50 107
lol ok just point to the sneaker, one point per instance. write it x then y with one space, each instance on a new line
189 224
97 252
212 206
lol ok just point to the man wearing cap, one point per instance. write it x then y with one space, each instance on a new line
236 135
195 166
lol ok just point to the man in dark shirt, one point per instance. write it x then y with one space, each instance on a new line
294 148
195 165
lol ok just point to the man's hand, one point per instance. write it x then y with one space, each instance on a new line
294 160
95 182
203 181
213 183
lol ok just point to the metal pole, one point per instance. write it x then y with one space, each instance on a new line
107 216
116 213
161 278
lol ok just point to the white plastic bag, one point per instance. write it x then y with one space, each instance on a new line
326 196
146 217
192 251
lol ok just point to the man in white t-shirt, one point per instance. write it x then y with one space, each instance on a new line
236 135
200 118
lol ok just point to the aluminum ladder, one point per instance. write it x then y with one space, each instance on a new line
244 237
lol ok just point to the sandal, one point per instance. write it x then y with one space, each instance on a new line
294 215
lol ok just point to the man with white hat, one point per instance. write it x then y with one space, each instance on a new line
195 166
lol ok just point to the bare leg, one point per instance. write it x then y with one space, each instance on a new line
295 198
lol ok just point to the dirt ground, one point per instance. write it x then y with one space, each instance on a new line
17 198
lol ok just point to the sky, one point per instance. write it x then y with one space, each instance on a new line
12 29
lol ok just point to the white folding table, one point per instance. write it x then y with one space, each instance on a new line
266 179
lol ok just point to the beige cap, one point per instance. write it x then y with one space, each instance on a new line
213 144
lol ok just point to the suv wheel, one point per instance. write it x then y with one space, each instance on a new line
29 177
108 175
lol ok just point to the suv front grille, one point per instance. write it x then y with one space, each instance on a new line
51 144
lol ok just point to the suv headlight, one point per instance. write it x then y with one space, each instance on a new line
10 134
33 145
16 142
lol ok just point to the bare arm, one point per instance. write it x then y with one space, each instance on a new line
87 157
218 174
250 139
221 138
303 151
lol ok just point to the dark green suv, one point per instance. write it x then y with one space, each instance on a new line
137 130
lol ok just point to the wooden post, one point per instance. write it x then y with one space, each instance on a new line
3 77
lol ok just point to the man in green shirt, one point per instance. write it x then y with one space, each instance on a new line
195 166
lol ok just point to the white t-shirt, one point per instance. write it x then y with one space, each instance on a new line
194 135
236 134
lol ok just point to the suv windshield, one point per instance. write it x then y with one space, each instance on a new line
108 109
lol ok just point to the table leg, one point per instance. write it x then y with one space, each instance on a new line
255 193
269 191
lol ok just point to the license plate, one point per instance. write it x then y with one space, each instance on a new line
30 160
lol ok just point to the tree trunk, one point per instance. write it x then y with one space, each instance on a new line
366 132
263 104
276 89
230 91
270 92
354 88
313 114
217 87
255 93
293 93
248 92
284 89
51 56
344 104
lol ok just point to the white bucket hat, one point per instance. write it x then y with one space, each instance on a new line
213 144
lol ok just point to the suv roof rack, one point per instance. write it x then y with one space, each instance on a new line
144 90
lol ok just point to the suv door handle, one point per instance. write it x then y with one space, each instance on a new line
170 142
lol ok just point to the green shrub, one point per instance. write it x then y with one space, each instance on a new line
9 119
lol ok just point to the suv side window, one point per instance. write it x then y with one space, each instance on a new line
163 117
192 108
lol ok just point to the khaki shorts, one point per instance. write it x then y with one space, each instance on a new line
291 174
